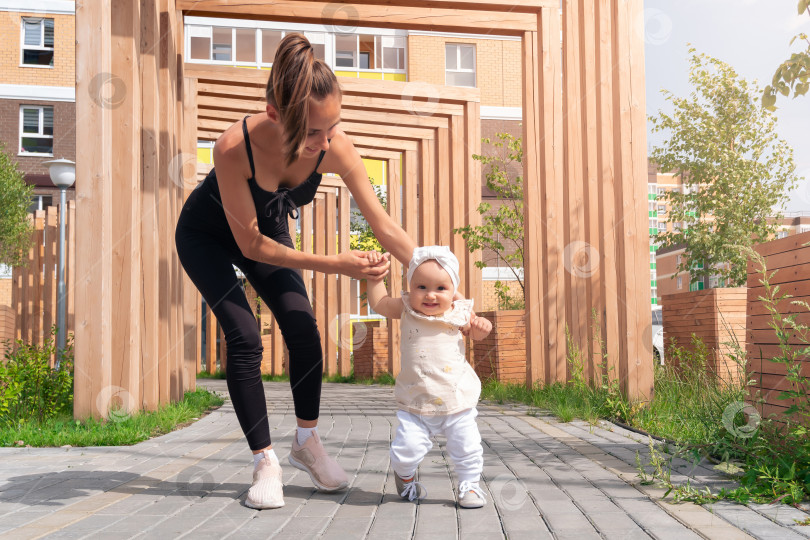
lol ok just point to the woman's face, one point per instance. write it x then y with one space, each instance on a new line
431 289
324 116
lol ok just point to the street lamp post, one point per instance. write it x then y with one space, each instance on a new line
63 174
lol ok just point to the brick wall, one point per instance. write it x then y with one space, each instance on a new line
5 291
64 62
64 133
490 299
497 70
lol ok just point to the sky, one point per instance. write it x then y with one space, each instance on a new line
753 36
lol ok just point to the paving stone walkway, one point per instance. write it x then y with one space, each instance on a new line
545 479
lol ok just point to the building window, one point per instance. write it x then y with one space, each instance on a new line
662 191
240 46
678 259
36 130
662 209
37 42
680 282
652 189
662 226
459 65
782 234
804 229
652 258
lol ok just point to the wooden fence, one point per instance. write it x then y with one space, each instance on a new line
34 286
717 317
790 259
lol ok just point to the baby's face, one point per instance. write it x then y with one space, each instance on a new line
431 289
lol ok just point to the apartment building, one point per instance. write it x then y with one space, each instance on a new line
37 88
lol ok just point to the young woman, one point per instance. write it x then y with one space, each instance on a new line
266 166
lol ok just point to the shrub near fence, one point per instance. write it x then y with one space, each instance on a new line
789 258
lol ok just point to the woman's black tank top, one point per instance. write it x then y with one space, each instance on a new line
272 207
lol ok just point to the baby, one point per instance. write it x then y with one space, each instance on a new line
437 389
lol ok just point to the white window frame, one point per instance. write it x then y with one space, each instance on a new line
41 46
680 282
40 135
447 70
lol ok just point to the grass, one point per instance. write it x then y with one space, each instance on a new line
122 430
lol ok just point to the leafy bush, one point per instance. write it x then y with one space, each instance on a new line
31 390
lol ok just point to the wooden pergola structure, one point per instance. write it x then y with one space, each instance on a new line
584 142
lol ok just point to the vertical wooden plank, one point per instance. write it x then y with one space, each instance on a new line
223 350
410 187
125 256
35 316
27 308
278 350
187 170
178 197
456 181
166 366
549 85
589 127
94 210
344 286
17 299
210 340
442 202
150 259
393 183
606 193
306 216
574 220
640 360
49 272
70 267
534 147
472 199
319 279
331 315
427 219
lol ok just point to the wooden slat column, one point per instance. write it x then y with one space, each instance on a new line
94 210
330 312
210 341
319 298
344 339
150 166
126 119
633 311
35 315
393 195
185 169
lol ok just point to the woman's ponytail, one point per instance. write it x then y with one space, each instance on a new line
296 77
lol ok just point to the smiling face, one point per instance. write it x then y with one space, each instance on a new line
431 289
324 116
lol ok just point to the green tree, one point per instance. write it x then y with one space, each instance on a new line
501 231
15 227
362 237
735 169
794 73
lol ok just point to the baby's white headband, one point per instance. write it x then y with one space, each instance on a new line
441 254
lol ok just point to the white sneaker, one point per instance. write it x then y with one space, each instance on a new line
266 490
470 495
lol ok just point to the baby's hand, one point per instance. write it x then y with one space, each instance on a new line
479 328
376 258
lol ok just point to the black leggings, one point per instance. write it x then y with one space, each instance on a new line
208 259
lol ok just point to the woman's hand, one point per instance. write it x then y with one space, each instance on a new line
357 264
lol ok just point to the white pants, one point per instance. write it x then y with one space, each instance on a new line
412 442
